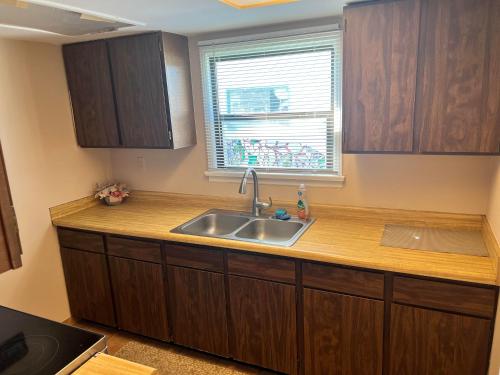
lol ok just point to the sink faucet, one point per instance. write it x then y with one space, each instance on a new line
256 205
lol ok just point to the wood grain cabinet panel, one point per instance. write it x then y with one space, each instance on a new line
140 297
380 64
149 251
88 287
80 240
342 334
263 316
208 259
426 342
91 91
458 96
198 306
445 296
261 267
343 280
138 79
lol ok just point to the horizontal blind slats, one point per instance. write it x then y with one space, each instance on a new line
274 104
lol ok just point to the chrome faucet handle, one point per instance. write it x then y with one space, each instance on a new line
265 205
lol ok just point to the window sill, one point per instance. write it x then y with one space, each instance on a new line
286 179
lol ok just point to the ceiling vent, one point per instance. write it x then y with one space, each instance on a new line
49 17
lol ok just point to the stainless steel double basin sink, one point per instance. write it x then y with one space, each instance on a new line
240 226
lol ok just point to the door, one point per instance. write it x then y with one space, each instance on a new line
380 64
140 297
343 335
139 81
87 284
458 96
263 316
428 342
91 91
198 303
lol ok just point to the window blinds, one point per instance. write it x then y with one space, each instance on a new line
274 104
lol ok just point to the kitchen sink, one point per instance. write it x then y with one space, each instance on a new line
269 230
241 226
215 224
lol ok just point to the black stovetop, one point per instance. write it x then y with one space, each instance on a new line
36 346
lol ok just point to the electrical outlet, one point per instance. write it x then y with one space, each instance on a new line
141 163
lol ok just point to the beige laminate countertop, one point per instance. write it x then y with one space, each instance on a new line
340 235
103 364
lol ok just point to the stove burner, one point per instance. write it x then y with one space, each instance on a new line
30 354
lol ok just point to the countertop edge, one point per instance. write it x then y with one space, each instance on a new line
492 245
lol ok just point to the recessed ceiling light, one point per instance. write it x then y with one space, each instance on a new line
244 4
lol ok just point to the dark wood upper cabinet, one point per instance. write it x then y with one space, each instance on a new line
263 316
422 76
198 306
89 82
380 64
88 286
140 297
428 342
132 91
342 334
141 101
458 95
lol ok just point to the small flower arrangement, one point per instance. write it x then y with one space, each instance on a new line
113 194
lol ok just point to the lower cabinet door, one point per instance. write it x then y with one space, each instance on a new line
428 342
87 283
140 297
198 307
263 316
343 335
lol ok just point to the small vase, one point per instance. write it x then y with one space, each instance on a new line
113 201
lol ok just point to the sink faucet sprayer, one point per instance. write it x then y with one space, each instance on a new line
256 205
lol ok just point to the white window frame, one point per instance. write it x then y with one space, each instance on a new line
278 177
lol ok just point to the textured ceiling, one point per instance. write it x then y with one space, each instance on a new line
187 17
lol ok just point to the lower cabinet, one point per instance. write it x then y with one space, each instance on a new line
87 283
342 334
140 297
244 306
263 316
428 342
198 307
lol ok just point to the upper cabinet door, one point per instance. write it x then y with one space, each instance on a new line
458 94
380 64
139 80
89 81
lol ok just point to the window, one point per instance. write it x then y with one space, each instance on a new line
274 104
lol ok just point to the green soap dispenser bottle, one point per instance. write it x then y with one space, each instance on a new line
302 205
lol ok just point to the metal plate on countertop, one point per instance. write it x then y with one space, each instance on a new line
456 241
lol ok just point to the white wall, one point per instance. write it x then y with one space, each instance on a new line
435 183
494 220
45 168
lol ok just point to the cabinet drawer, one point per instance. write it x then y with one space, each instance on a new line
261 267
343 280
148 251
446 296
194 257
75 239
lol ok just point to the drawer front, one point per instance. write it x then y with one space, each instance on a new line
446 296
194 257
261 267
343 280
81 240
148 251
